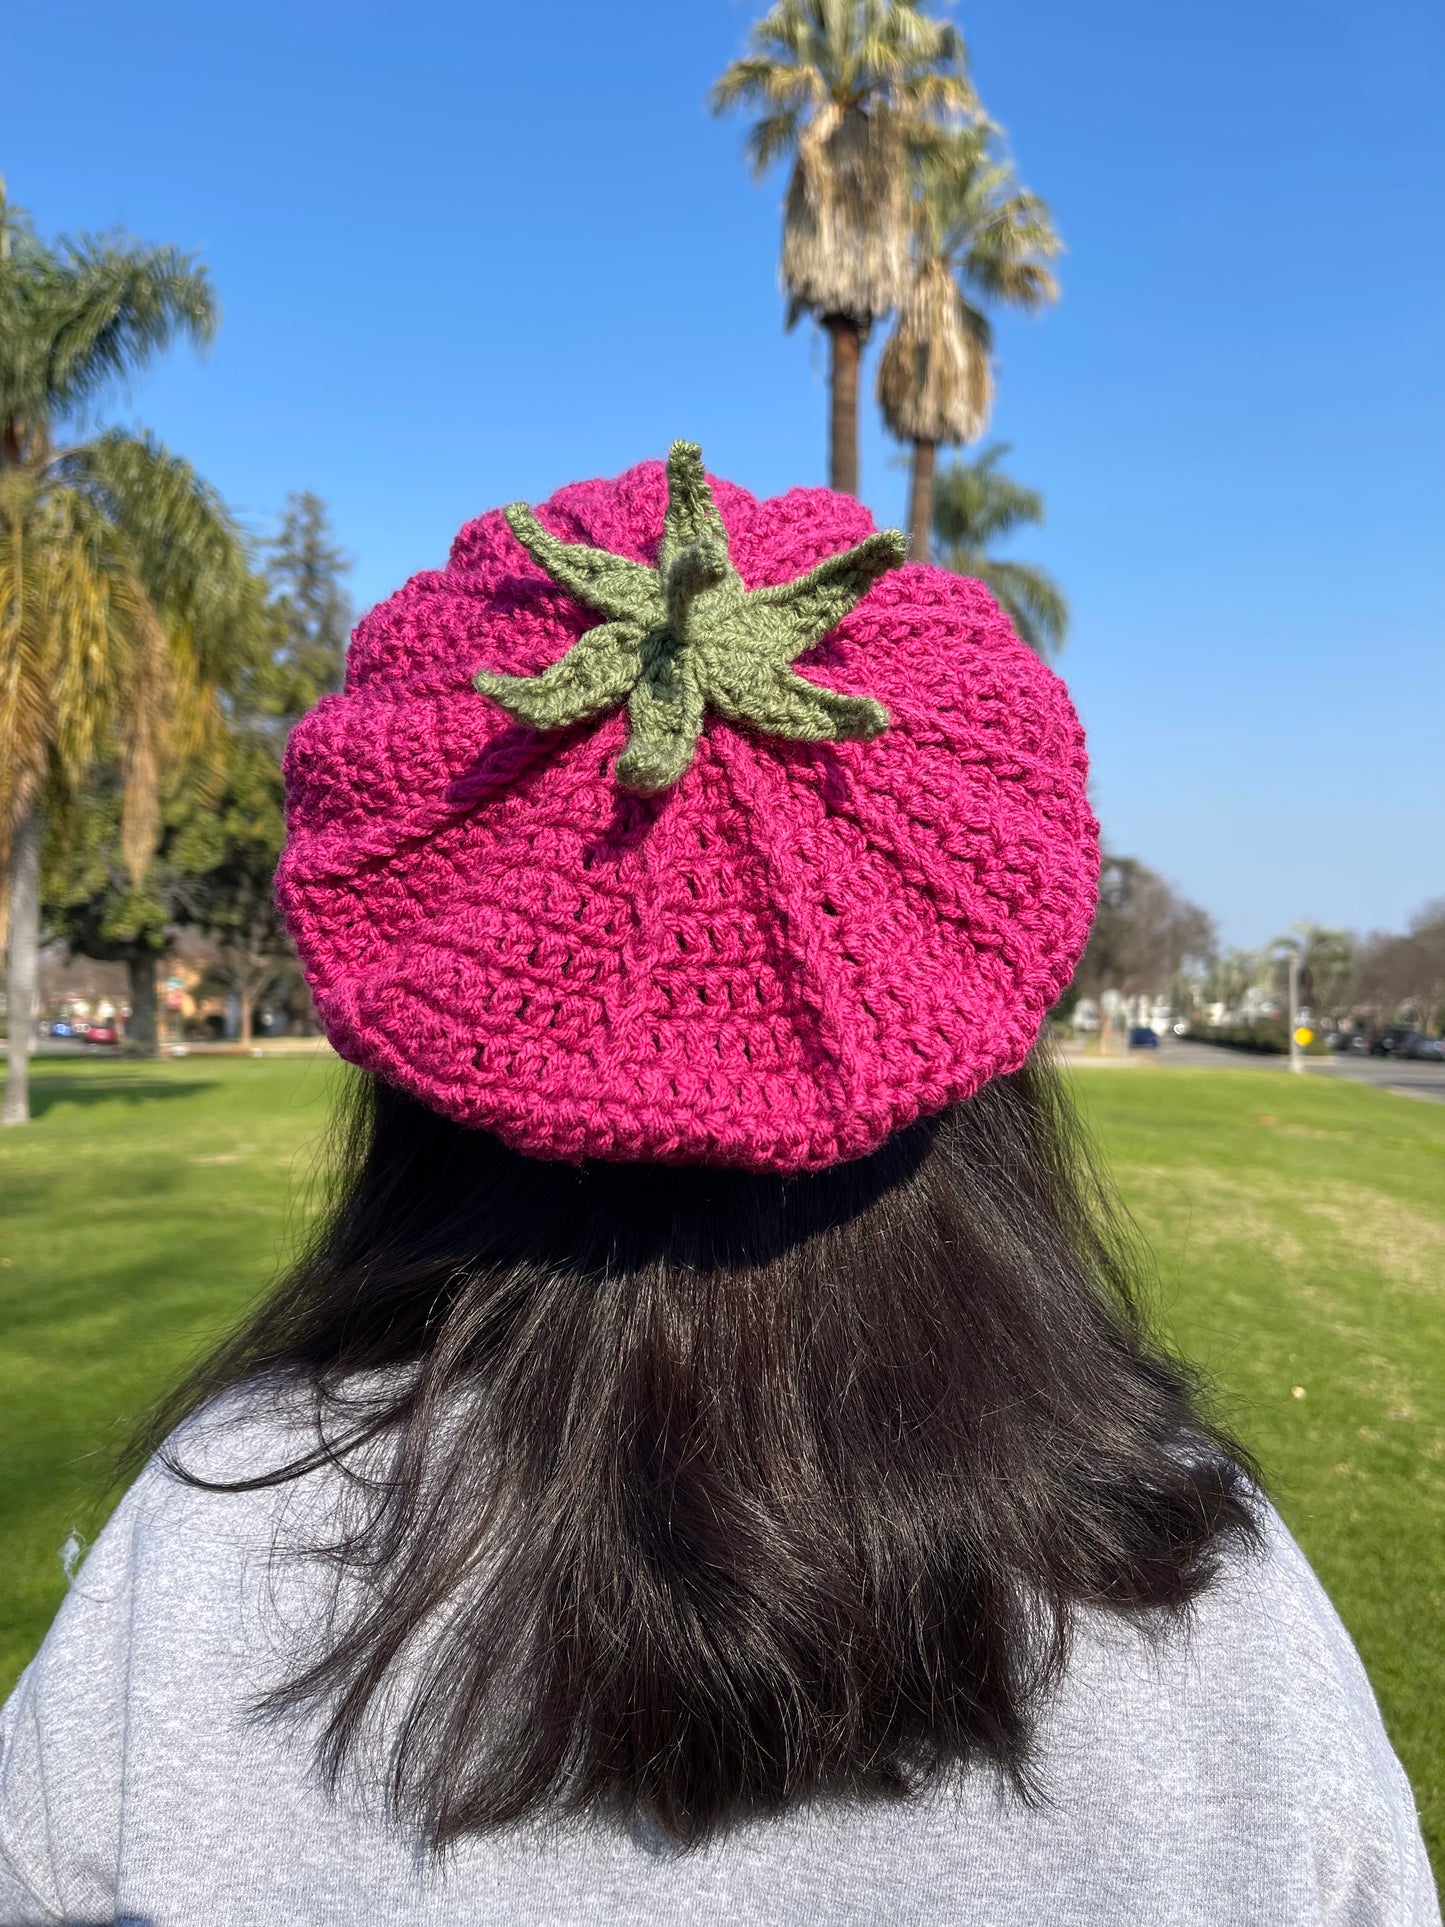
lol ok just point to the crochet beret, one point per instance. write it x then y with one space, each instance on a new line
668 824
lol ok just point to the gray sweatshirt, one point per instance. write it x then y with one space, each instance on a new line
1233 1774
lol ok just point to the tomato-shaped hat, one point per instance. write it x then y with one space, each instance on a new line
667 824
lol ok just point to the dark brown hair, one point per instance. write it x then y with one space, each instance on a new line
691 1493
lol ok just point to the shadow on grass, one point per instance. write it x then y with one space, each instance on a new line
47 1093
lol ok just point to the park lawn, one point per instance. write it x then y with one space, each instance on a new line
141 1209
1298 1226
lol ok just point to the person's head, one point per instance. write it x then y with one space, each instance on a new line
740 1371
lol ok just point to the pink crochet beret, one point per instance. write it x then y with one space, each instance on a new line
676 899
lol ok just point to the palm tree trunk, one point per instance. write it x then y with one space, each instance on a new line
845 351
920 504
141 1033
24 961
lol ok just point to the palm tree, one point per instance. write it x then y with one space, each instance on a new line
125 588
974 505
978 238
847 87
1328 967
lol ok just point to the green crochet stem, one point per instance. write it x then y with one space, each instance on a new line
686 637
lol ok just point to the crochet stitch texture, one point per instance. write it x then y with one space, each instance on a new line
790 952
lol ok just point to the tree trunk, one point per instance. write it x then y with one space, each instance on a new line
845 339
248 1018
141 1033
24 961
920 504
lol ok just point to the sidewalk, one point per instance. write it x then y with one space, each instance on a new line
262 1047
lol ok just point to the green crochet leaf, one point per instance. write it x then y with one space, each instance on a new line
686 637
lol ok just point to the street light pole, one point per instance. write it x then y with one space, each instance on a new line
1296 1052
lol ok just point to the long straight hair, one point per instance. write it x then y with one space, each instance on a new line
690 1493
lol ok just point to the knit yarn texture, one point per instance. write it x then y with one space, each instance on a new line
775 963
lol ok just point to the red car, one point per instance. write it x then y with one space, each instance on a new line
102 1034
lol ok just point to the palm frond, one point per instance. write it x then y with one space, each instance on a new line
769 139
851 86
85 670
111 306
895 42
935 382
761 80
975 503
147 723
971 212
973 229
1016 284
187 549
24 664
26 268
845 235
17 229
128 598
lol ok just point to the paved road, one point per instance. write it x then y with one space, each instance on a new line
1407 1079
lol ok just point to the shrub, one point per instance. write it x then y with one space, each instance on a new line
1269 1035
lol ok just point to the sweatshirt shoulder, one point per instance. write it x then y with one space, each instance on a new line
247 1432
1269 1606
1278 1689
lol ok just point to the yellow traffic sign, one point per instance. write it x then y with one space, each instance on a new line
1304 1035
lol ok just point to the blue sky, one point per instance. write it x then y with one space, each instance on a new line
466 254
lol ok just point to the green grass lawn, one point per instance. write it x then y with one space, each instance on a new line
1299 1227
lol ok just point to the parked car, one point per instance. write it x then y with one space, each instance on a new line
65 1030
102 1034
1142 1038
1392 1040
1428 1050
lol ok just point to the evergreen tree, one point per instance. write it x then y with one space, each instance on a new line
306 572
229 858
